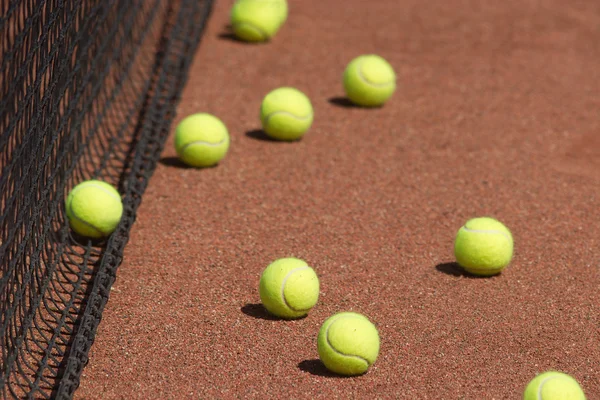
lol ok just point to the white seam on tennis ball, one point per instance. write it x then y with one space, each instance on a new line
542 383
490 231
364 78
108 192
204 143
299 118
336 350
259 30
86 223
283 287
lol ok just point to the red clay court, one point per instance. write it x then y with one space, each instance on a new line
495 114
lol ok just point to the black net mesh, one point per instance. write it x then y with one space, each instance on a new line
88 89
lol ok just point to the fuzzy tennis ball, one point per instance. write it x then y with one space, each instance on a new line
348 343
284 10
94 209
483 246
289 288
553 385
369 80
201 140
258 20
286 114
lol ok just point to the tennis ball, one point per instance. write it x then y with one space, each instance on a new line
201 140
94 209
286 114
258 20
483 246
284 9
369 80
289 288
553 385
348 343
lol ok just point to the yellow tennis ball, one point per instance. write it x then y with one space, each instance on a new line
284 9
369 80
348 343
258 20
553 385
201 140
289 288
286 114
94 209
483 246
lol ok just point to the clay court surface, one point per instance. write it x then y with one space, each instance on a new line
496 114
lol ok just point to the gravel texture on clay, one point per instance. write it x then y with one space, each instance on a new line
496 114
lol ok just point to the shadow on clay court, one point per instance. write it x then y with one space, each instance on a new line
173 162
258 311
177 163
452 268
316 367
344 102
229 36
259 134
